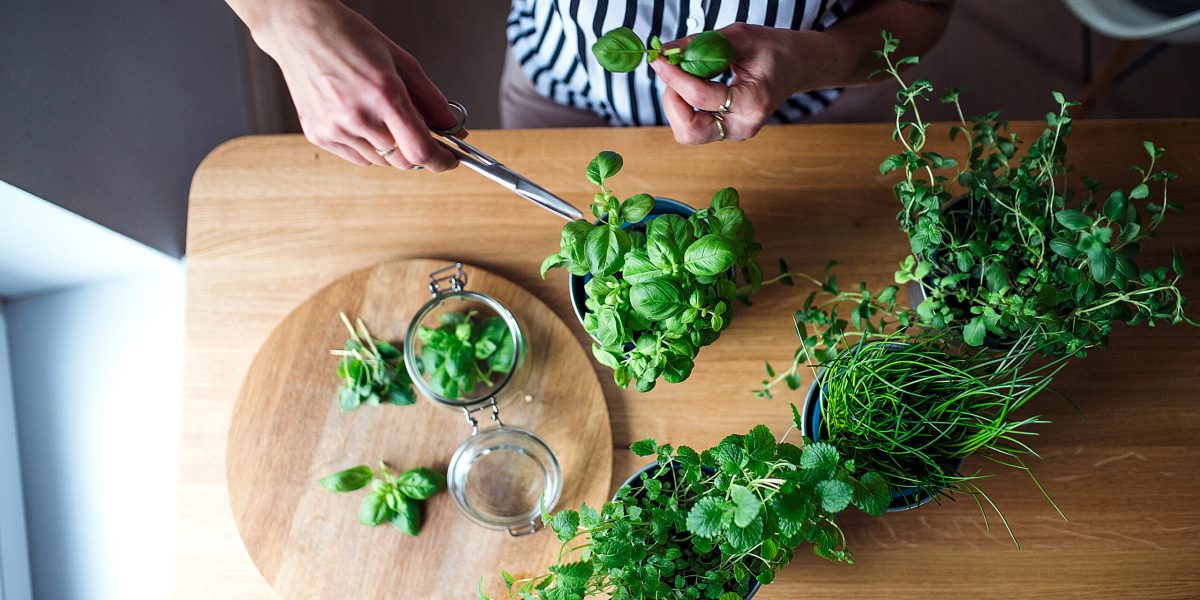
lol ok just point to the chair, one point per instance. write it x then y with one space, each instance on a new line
1142 33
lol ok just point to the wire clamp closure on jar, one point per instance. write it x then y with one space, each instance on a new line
470 414
502 477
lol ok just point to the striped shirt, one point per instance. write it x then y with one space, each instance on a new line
552 40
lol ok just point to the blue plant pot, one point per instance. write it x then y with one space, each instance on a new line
810 427
635 481
662 206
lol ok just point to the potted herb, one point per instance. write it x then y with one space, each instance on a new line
906 403
658 286
1020 251
712 524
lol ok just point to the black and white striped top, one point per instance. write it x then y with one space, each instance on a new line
552 39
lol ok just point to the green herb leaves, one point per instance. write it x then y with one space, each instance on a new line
372 371
688 529
707 55
1021 253
349 480
661 286
619 51
393 499
463 353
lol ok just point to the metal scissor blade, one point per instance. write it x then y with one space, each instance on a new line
540 196
488 167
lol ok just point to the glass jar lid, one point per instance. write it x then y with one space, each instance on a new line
462 348
503 478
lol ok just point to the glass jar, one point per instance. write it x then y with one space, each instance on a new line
502 477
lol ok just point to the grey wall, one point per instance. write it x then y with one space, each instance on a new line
106 107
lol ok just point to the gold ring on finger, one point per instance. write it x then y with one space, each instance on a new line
728 101
386 152
720 126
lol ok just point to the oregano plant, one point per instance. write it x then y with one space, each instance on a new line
661 286
1003 245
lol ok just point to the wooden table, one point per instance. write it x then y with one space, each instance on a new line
272 220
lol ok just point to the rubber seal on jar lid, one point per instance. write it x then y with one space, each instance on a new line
503 478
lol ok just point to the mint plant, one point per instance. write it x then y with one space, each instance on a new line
660 290
708 524
1021 251
707 54
394 498
372 370
461 353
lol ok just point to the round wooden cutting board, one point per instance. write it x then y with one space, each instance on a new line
287 432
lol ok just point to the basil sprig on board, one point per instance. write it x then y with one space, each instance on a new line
660 294
372 370
707 524
706 55
393 499
462 353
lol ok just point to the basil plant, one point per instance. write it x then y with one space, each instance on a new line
661 286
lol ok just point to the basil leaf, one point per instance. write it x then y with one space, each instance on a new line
657 298
725 198
707 55
638 267
420 483
605 248
709 256
374 509
552 261
637 208
348 480
408 517
619 51
610 332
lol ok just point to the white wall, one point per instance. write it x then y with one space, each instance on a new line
14 554
96 372
94 338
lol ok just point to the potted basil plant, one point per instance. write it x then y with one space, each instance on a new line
714 524
657 278
1003 246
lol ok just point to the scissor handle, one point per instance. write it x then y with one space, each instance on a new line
460 115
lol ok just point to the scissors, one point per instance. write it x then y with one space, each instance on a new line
493 169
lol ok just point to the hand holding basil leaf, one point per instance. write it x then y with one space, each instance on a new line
661 285
707 55
393 498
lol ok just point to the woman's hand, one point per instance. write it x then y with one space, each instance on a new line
357 93
767 68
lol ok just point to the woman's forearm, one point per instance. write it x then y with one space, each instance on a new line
846 49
